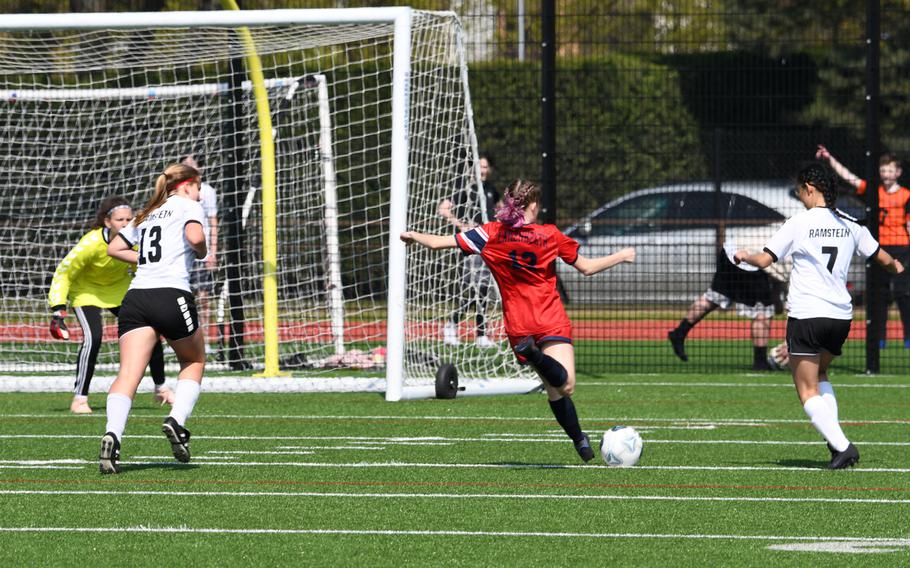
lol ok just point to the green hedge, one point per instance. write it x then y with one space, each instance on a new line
622 125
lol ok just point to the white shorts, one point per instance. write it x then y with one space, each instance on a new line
751 312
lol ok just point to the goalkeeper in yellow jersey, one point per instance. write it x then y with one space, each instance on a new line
92 281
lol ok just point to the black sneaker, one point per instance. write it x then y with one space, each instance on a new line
528 349
110 454
679 344
179 437
845 459
584 448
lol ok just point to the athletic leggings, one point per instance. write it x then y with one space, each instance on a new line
91 322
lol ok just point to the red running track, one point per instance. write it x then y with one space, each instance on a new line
605 330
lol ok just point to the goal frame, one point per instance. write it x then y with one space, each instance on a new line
400 18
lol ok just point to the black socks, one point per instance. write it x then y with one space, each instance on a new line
564 411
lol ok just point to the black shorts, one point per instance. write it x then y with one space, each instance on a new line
899 283
169 311
742 286
813 335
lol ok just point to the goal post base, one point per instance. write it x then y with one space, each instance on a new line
475 387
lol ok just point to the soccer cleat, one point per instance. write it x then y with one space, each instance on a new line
831 449
761 365
845 459
110 454
679 344
584 448
164 395
882 344
80 406
528 349
450 334
483 342
179 437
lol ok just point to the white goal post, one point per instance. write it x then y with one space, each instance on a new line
364 125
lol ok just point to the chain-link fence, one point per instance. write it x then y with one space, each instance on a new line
679 127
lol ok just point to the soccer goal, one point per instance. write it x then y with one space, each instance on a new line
325 133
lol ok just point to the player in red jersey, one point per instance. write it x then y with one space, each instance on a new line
522 254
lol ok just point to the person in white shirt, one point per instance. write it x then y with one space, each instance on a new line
821 241
202 276
159 302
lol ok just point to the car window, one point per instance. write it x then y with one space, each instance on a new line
698 210
745 211
641 214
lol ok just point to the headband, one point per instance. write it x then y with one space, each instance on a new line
186 181
116 207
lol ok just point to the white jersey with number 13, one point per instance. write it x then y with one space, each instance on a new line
165 257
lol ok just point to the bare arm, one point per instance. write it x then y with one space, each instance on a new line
888 262
591 266
445 211
822 153
212 260
759 259
434 242
194 235
119 249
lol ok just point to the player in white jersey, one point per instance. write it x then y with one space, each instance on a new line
822 241
170 238
202 276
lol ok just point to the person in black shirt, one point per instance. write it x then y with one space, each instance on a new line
463 212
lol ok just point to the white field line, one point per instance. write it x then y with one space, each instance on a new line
455 496
837 385
419 465
484 534
377 442
615 419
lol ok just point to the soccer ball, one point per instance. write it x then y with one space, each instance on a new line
779 357
621 446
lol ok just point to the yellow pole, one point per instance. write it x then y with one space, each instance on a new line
269 197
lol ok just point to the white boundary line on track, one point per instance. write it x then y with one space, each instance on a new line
507 496
901 541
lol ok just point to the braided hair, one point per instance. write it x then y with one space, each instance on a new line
822 177
515 200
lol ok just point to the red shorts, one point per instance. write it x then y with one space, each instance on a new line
561 334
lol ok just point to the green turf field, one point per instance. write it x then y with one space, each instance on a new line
732 475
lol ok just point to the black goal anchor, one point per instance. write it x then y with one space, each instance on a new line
447 381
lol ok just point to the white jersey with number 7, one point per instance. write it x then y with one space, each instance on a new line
822 244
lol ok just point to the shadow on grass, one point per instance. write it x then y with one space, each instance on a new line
808 464
174 466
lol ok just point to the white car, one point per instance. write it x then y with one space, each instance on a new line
674 229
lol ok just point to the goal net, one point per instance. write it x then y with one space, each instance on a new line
366 122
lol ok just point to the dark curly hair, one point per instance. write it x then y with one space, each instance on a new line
821 177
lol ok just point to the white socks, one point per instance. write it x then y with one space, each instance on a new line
118 410
185 398
826 390
825 421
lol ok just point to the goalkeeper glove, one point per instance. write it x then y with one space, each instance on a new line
58 325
